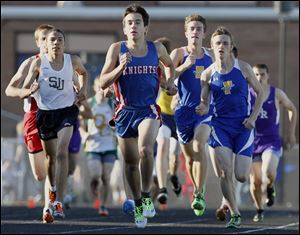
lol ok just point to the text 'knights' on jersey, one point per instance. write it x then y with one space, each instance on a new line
230 93
56 87
189 82
138 85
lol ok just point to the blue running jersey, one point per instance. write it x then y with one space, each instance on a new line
230 94
189 92
138 85
189 85
231 101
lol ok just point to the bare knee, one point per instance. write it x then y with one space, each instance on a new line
257 183
199 146
40 176
131 165
270 175
241 178
146 151
189 161
105 179
62 154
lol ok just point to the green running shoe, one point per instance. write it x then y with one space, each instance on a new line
198 204
235 221
259 217
139 219
148 208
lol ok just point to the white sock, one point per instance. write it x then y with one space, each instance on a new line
52 188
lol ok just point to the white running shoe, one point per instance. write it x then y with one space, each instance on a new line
58 212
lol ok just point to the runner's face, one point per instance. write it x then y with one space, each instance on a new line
261 75
221 44
133 26
41 41
55 43
195 32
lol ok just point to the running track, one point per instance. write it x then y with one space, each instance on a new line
83 220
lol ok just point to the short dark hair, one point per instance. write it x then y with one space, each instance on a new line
262 66
134 8
58 31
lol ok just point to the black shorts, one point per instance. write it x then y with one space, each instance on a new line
49 122
169 121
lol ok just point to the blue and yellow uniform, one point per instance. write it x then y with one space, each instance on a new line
137 90
189 91
231 101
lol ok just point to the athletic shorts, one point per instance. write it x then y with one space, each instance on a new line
128 119
75 142
275 151
186 121
104 157
31 136
261 143
169 121
49 122
238 138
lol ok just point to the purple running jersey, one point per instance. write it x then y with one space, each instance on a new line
267 124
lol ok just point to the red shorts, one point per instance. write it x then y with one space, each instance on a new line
31 135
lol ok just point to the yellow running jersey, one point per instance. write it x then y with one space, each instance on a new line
164 101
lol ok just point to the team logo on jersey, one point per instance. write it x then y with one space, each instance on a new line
227 87
56 82
100 123
198 71
263 114
145 69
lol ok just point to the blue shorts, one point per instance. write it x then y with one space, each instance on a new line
169 121
239 140
186 121
103 157
127 119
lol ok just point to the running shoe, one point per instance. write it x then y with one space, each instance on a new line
148 208
128 207
58 212
103 211
198 204
221 213
162 196
270 196
47 215
176 186
235 221
259 217
139 219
